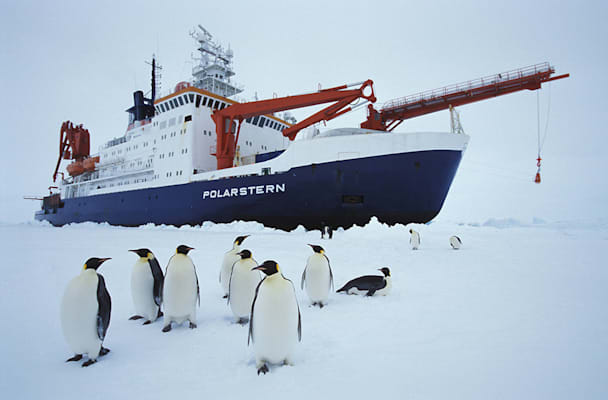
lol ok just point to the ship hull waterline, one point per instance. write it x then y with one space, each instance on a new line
398 188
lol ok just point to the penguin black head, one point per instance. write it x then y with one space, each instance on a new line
240 239
269 267
143 253
183 249
411 231
94 263
317 249
385 271
244 254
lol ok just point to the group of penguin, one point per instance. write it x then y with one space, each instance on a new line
267 302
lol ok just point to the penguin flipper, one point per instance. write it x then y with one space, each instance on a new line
157 273
105 308
250 334
299 325
303 278
198 290
230 283
331 275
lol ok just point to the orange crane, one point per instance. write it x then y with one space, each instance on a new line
228 133
396 111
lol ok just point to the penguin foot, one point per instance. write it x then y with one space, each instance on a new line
160 314
103 351
167 328
242 321
77 357
148 322
320 305
192 325
89 362
263 369
135 317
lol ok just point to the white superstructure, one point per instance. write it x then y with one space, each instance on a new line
179 141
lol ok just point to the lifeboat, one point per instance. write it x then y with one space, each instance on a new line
89 163
76 168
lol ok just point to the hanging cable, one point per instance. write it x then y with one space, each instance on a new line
538 159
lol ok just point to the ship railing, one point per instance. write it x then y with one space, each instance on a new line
469 85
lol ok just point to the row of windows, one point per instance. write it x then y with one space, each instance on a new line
177 173
190 98
214 105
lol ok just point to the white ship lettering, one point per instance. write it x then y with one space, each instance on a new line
244 191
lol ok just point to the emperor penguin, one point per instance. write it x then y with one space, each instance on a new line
85 313
229 259
414 239
180 289
146 286
369 284
275 324
243 282
317 277
455 242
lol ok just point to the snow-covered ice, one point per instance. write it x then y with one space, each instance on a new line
518 312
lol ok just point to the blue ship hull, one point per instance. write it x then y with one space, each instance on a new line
397 188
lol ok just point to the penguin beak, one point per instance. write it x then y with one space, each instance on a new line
258 268
102 260
311 245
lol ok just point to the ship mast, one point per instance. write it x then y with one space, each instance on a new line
214 65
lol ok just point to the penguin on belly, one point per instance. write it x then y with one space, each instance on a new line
369 284
180 289
275 324
243 282
146 286
85 313
317 277
229 259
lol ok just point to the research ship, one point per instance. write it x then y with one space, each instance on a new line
199 154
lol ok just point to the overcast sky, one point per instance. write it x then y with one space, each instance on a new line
81 61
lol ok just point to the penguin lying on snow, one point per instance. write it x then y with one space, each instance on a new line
317 277
146 286
85 313
369 284
229 259
275 325
414 239
180 289
455 242
244 280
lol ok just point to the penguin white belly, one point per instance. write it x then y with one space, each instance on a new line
79 308
179 291
275 322
317 280
385 290
142 290
229 259
242 288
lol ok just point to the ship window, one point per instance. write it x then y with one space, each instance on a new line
248 120
262 120
216 105
181 101
204 101
176 103
188 118
198 100
222 106
256 119
186 98
171 104
191 97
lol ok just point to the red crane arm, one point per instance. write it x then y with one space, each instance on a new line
395 111
75 138
224 119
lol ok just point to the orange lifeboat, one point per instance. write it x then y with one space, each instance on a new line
89 163
76 168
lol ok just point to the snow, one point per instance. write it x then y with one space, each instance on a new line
518 312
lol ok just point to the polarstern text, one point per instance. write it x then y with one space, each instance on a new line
244 191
